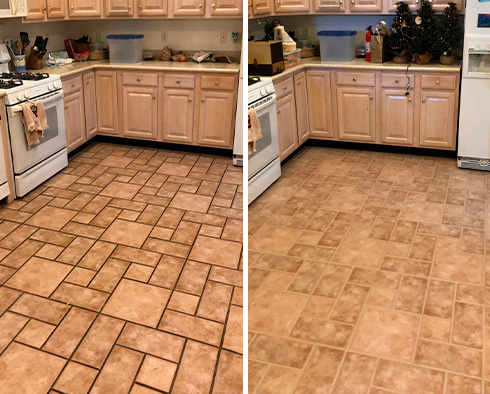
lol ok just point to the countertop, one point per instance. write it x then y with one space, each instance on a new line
361 64
152 65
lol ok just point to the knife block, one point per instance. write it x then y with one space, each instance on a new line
33 62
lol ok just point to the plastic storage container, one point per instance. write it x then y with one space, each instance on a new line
292 58
338 46
125 48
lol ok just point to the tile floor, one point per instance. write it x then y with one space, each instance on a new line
368 274
123 274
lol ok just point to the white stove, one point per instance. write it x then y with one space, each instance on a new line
264 165
35 164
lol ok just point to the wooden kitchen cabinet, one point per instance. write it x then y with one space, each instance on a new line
178 115
35 10
390 5
262 7
286 126
84 8
119 8
216 118
40 10
397 117
301 103
188 7
440 5
292 6
329 5
359 6
319 104
56 9
139 108
149 8
226 7
356 113
90 104
437 119
107 109
74 113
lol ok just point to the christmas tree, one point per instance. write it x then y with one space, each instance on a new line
425 32
450 32
400 39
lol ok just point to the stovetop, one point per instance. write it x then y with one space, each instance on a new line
9 83
23 86
259 88
252 80
24 76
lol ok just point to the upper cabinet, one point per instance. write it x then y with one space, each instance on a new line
262 7
188 7
366 5
329 5
40 10
439 5
152 8
226 7
292 6
390 5
118 8
84 8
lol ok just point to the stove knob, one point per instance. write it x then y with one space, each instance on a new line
51 87
27 95
57 85
20 97
268 89
263 92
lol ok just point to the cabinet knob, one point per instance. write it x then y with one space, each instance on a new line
278 111
72 7
397 80
278 2
371 97
216 82
73 85
213 5
202 100
138 79
178 81
352 1
190 98
438 82
409 99
87 82
340 1
284 87
140 6
299 83
200 5
354 79
416 1
154 97
129 6
66 106
423 100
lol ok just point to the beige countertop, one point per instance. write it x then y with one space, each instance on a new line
153 65
361 64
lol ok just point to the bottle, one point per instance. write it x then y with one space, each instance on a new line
368 43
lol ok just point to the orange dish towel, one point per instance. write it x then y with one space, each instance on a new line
254 131
35 121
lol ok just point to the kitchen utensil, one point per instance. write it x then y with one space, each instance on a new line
70 47
10 46
24 38
19 46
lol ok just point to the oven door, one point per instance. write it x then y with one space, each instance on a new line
268 145
54 136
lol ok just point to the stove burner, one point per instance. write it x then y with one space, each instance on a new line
252 80
9 83
25 76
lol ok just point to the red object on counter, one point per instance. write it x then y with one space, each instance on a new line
368 43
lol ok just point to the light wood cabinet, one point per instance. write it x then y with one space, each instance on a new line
56 9
41 10
301 103
226 7
119 8
397 117
216 118
139 106
390 5
329 5
262 7
150 8
440 5
366 5
292 6
90 106
319 103
356 113
74 120
178 115
437 119
286 125
188 7
107 109
35 10
84 8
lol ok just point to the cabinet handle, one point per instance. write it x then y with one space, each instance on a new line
278 3
177 81
129 6
354 79
216 83
340 2
438 82
409 99
72 7
200 5
352 1
202 100
284 87
140 6
66 106
299 83
371 97
278 111
138 79
397 80
154 97
423 100
190 98
213 5
73 85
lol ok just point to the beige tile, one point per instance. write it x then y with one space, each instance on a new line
458 266
468 325
51 218
355 374
127 233
279 376
265 239
362 252
229 374
191 202
216 251
75 379
157 373
457 384
282 351
125 191
35 333
435 328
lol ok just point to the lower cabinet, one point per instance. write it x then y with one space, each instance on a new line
178 115
301 101
139 112
397 117
286 124
216 117
107 110
90 104
74 120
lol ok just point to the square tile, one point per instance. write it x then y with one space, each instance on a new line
127 233
157 373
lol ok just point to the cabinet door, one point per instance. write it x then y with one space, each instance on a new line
437 118
74 120
356 113
289 6
396 117
178 115
56 9
301 102
152 7
366 5
36 10
188 7
90 105
286 126
329 5
139 112
319 104
226 7
119 7
84 8
439 5
390 5
106 93
216 118
262 7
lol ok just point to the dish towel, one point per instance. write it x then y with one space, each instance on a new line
254 131
35 121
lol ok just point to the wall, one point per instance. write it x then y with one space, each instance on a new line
189 35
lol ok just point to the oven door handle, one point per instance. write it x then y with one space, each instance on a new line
18 108
265 104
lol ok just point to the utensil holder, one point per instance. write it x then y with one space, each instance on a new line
19 62
34 63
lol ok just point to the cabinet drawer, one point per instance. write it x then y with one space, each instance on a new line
218 82
356 78
72 85
439 81
143 79
397 81
178 80
284 87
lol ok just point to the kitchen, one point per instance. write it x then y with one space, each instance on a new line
110 276
367 231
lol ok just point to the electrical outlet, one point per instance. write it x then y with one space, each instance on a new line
164 36
223 35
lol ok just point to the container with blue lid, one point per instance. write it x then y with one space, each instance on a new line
125 48
337 45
